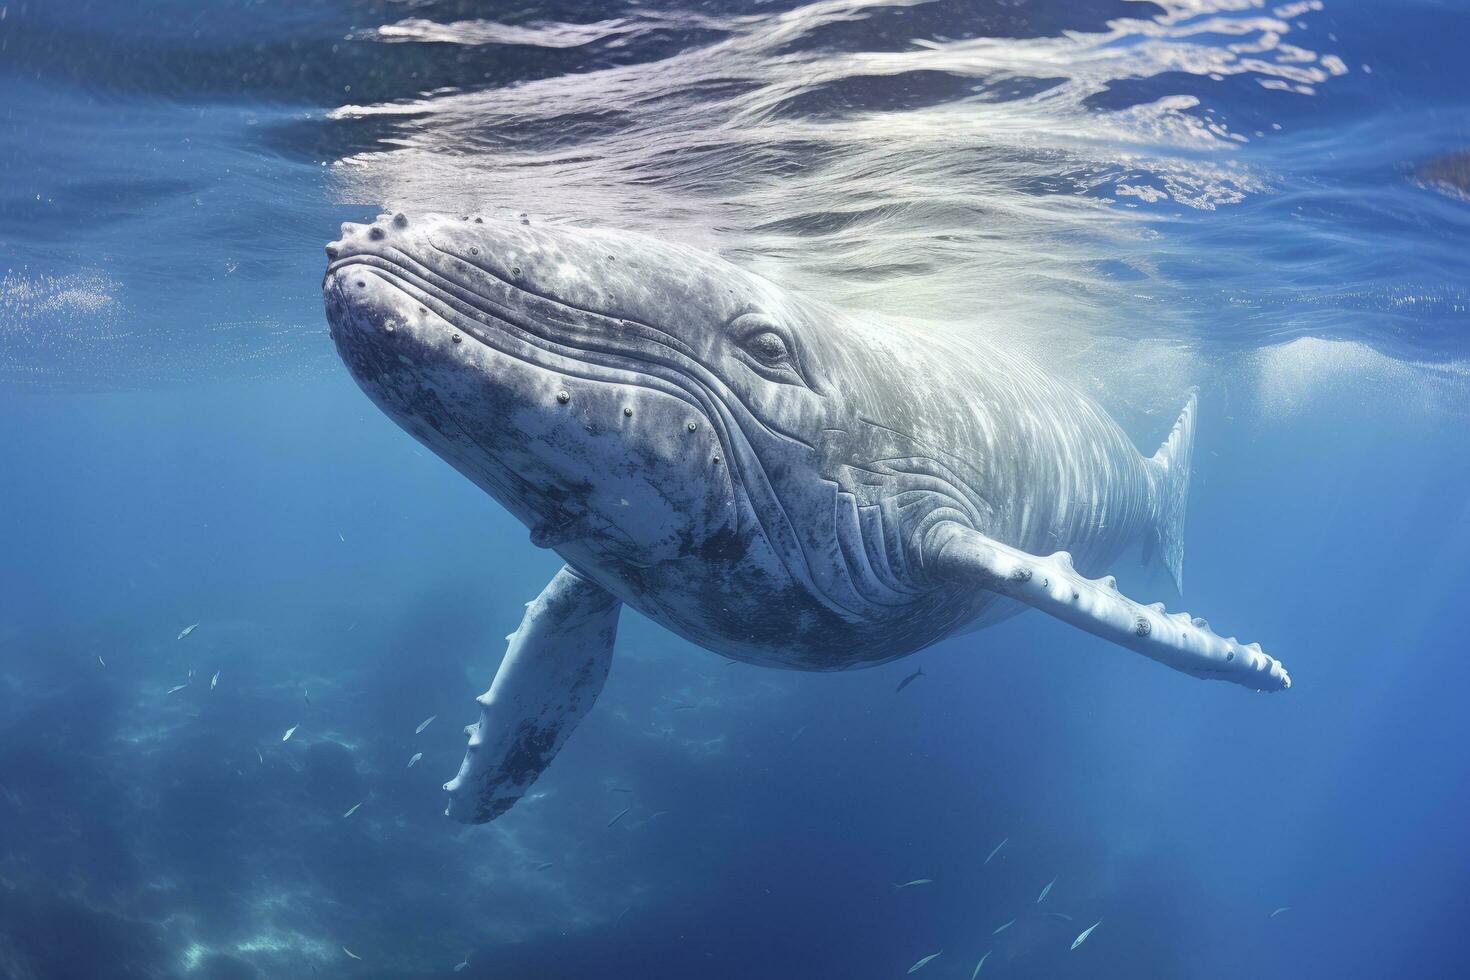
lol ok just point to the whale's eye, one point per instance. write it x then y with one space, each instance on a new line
768 348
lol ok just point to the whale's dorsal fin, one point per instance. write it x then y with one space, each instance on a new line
550 677
959 554
1171 466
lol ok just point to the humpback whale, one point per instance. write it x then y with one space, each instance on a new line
766 476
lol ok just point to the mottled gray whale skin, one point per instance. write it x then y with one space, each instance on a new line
760 473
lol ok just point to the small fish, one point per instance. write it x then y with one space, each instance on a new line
424 724
685 707
289 732
621 914
1003 928
620 789
797 734
996 851
101 661
1059 915
351 953
1085 933
980 964
903 684
543 866
306 694
177 689
656 813
187 630
916 881
461 966
350 812
621 813
923 962
416 757
214 681
1045 891
340 538
1284 908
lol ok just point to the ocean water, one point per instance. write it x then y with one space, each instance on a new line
1265 201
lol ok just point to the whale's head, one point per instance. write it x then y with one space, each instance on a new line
616 394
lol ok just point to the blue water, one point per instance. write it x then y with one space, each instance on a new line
1108 183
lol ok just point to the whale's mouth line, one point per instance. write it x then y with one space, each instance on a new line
517 337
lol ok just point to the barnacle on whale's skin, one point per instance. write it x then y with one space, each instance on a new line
762 474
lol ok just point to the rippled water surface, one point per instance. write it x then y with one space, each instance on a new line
1268 202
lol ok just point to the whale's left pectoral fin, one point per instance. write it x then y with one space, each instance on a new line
1052 585
552 673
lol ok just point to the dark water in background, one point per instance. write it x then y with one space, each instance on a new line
1110 183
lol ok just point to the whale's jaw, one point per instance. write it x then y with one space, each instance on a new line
590 456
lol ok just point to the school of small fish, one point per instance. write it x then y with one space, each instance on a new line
414 759
1045 891
916 882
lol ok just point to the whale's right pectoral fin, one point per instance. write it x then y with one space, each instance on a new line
556 665
1052 585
